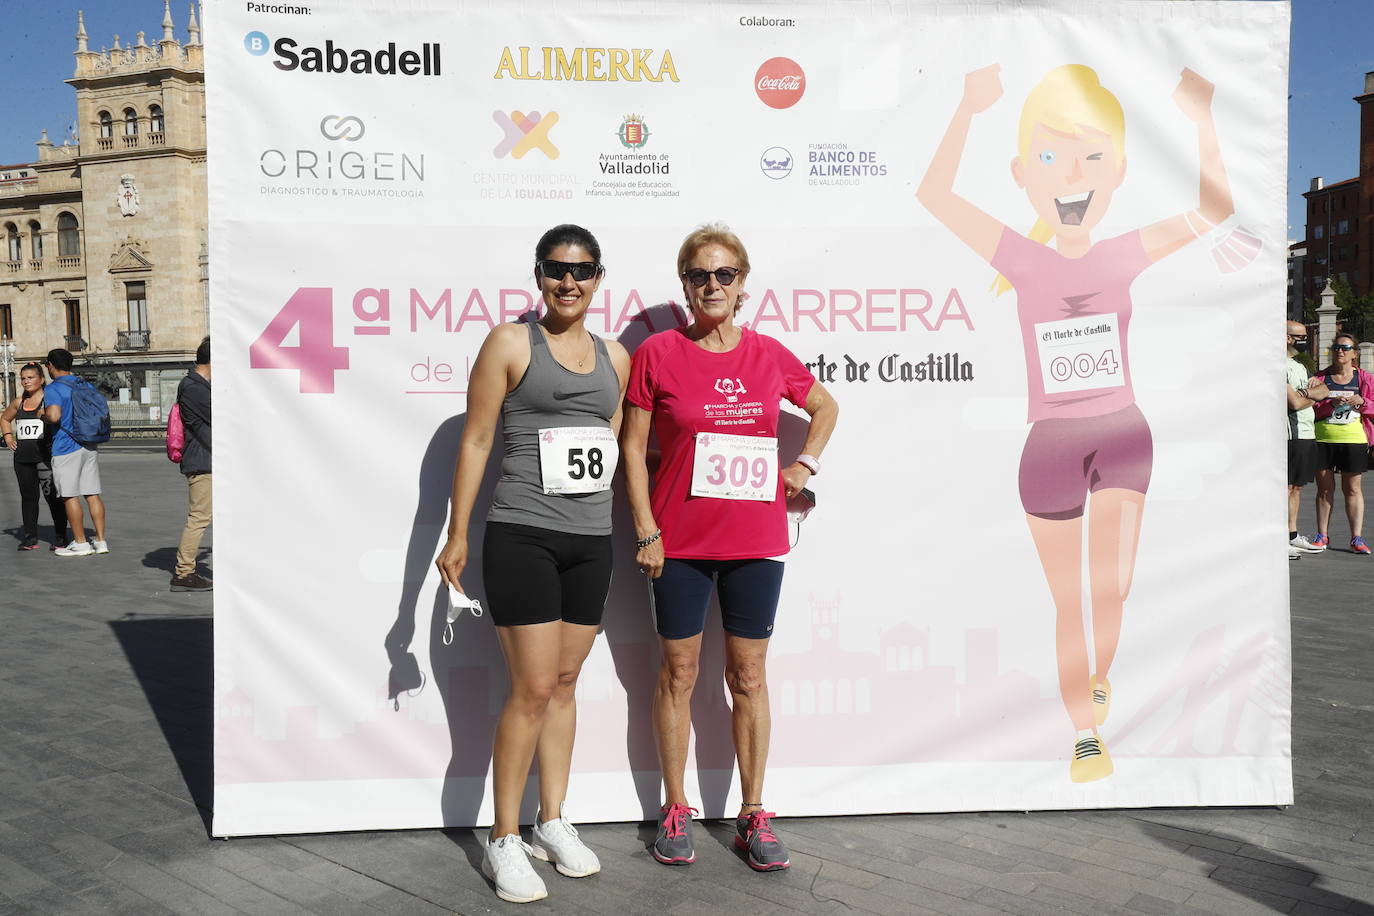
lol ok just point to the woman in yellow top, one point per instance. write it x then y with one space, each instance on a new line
1344 431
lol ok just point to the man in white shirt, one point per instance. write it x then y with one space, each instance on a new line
1303 392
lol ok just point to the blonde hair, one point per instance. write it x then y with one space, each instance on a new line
714 234
1067 99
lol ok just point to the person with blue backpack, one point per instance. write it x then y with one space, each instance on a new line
82 421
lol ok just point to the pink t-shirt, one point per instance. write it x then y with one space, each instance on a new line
1075 314
691 390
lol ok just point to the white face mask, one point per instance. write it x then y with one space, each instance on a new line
1234 246
457 604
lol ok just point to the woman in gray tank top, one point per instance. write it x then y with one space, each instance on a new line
546 561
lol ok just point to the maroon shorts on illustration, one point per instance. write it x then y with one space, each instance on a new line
1066 459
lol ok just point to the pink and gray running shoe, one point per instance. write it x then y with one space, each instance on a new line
754 834
1357 545
674 843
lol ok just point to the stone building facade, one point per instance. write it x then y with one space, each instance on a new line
104 237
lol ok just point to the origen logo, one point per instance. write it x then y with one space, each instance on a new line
524 132
256 43
776 162
780 82
345 127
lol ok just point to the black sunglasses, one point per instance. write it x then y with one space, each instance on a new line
1297 336
557 270
1341 347
724 275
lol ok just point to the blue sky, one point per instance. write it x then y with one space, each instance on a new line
1332 50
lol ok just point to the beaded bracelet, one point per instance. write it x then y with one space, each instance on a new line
641 543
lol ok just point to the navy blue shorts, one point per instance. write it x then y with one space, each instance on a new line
748 591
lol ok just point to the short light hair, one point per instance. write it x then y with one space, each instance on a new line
712 234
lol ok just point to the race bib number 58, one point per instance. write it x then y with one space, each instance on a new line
576 459
1080 354
735 467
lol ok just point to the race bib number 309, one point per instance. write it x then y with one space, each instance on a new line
735 467
577 459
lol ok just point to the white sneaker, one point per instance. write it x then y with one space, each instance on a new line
557 842
100 546
1294 553
75 549
1306 546
506 862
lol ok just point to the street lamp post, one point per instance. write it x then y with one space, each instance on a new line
7 350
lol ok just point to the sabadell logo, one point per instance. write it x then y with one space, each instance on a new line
780 82
332 58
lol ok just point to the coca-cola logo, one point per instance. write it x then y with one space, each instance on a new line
780 82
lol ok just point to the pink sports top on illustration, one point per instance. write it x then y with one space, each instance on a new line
689 391
1075 314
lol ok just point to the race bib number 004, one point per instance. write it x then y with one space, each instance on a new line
577 459
1080 354
735 467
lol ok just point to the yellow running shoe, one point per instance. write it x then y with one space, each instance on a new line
1101 692
1090 760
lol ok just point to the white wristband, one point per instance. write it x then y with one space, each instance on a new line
810 462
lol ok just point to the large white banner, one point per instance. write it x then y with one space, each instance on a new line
380 172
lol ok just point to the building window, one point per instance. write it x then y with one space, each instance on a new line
1343 227
106 125
36 240
156 124
6 322
12 242
130 122
73 309
1344 254
136 298
1318 231
68 237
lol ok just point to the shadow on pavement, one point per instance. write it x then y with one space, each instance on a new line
1271 879
173 659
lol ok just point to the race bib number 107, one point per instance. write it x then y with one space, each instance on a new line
577 459
735 467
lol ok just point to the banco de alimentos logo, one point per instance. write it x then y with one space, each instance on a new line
524 132
291 55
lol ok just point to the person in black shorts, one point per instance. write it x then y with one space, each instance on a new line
1345 431
1303 392
28 435
546 559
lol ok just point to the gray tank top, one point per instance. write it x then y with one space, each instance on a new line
550 395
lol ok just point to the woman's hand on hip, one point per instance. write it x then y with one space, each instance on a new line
794 477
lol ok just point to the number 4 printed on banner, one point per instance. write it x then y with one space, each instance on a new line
315 356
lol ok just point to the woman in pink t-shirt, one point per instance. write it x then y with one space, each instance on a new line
1087 437
717 518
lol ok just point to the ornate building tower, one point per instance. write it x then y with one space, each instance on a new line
105 235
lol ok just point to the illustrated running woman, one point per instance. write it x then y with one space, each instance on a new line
1073 303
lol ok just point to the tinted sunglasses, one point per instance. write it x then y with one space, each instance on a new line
724 275
1341 347
557 270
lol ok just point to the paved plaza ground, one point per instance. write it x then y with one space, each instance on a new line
105 783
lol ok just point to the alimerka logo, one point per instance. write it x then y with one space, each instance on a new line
780 82
592 65
332 58
524 132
